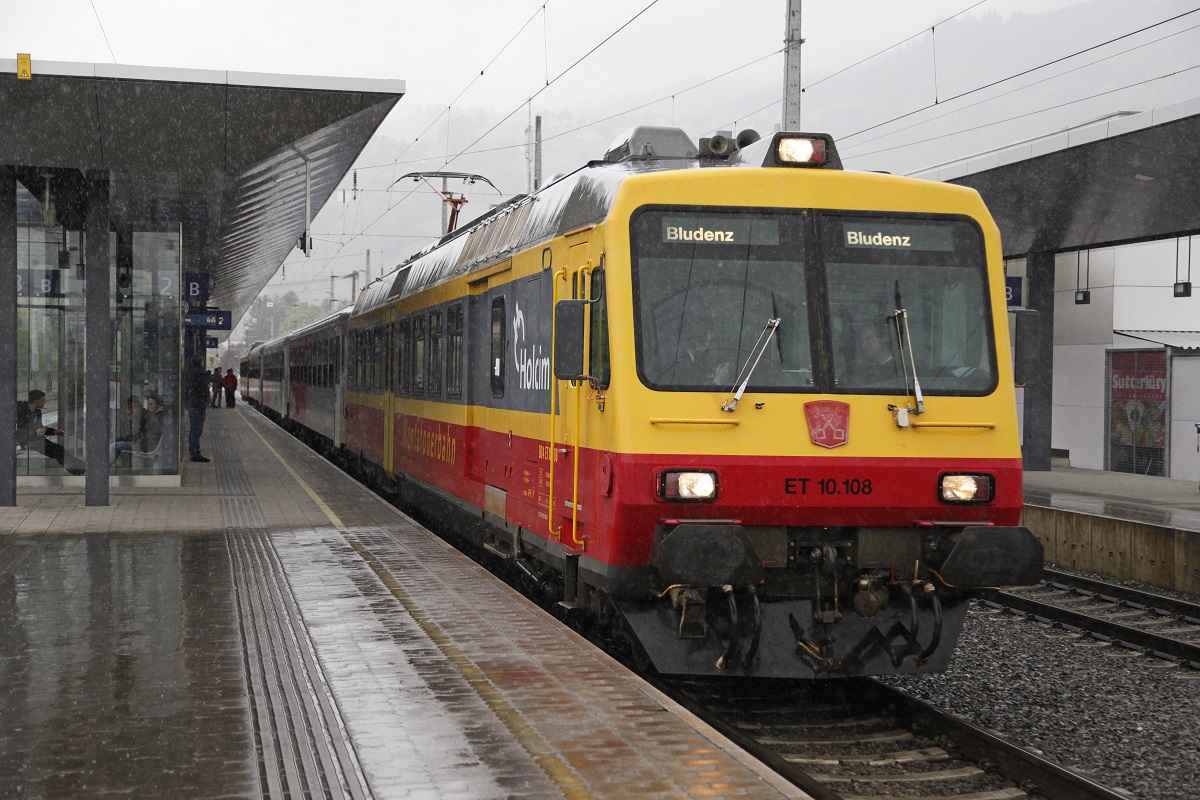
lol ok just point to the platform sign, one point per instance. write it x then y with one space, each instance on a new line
211 342
24 67
39 283
1012 291
214 320
196 288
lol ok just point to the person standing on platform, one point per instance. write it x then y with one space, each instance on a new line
231 382
197 396
31 433
216 385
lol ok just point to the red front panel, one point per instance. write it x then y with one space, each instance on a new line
618 496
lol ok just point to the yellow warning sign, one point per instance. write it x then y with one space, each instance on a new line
24 67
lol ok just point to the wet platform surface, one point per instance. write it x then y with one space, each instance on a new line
1135 498
271 629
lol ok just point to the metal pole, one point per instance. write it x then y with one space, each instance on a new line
792 89
99 344
537 152
8 332
368 280
331 278
445 206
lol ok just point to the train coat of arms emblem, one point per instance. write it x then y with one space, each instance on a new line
828 422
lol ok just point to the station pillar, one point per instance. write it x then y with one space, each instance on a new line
1038 359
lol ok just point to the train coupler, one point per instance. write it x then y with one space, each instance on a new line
818 656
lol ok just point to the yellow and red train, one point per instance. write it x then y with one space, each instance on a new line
750 410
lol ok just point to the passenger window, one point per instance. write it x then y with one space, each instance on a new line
418 356
403 350
454 352
435 354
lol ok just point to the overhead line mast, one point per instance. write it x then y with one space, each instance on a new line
791 75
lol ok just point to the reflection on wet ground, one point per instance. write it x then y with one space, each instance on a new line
1130 511
1135 498
121 670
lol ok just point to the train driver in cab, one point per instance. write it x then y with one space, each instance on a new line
875 359
699 360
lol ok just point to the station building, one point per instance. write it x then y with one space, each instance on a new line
1100 225
141 212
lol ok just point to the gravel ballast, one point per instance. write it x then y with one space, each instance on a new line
1123 721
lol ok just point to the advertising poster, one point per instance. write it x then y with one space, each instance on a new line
1137 407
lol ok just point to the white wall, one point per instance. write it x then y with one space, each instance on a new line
1131 289
1185 413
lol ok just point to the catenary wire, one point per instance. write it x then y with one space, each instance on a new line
850 148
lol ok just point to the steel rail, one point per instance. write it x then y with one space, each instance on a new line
1125 594
1165 646
1022 765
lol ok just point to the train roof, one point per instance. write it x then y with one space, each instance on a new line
332 319
580 198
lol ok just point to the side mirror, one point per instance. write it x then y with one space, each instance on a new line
568 339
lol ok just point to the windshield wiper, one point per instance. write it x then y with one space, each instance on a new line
756 354
904 338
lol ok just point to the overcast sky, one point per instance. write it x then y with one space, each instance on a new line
661 68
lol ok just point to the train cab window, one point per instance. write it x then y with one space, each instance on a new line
418 356
454 351
496 364
435 354
707 285
932 268
403 356
598 361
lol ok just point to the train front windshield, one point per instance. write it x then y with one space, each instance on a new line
709 286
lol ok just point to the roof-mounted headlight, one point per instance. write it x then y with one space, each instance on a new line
800 150
784 149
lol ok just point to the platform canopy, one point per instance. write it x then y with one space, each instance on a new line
1128 177
223 153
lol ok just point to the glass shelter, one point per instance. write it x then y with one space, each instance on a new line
133 199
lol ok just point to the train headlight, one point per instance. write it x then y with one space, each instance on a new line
689 485
801 150
966 488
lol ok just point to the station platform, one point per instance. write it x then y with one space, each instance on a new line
1165 502
269 628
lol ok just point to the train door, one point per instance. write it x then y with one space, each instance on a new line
478 326
338 377
575 420
487 325
385 351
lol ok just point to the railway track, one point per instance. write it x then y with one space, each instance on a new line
859 739
1142 621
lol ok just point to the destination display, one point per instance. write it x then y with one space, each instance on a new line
874 235
739 230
